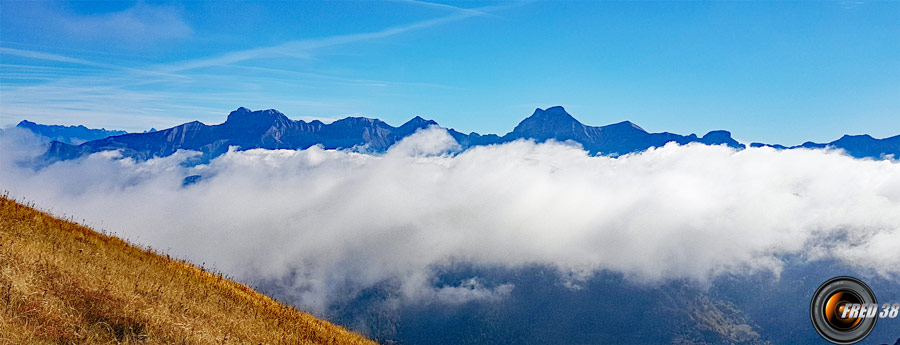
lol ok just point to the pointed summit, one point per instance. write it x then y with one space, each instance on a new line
553 123
418 122
413 125
417 119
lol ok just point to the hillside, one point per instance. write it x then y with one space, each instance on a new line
64 283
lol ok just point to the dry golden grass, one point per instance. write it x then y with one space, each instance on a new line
62 283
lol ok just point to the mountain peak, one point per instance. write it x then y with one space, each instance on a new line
861 136
719 137
357 121
554 122
555 108
556 115
418 122
555 111
238 113
243 115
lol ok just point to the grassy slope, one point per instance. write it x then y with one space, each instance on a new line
64 283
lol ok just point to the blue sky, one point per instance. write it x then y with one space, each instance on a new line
777 72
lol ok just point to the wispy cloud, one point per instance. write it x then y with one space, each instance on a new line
334 78
31 54
444 6
54 57
305 48
141 23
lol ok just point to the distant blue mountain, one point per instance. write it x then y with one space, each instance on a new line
859 146
270 129
615 139
68 134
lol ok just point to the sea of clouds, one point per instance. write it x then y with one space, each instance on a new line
331 223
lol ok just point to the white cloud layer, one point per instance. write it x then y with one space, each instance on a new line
340 221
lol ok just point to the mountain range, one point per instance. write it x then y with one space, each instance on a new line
859 146
68 134
271 129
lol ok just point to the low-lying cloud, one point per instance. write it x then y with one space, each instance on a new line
330 223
